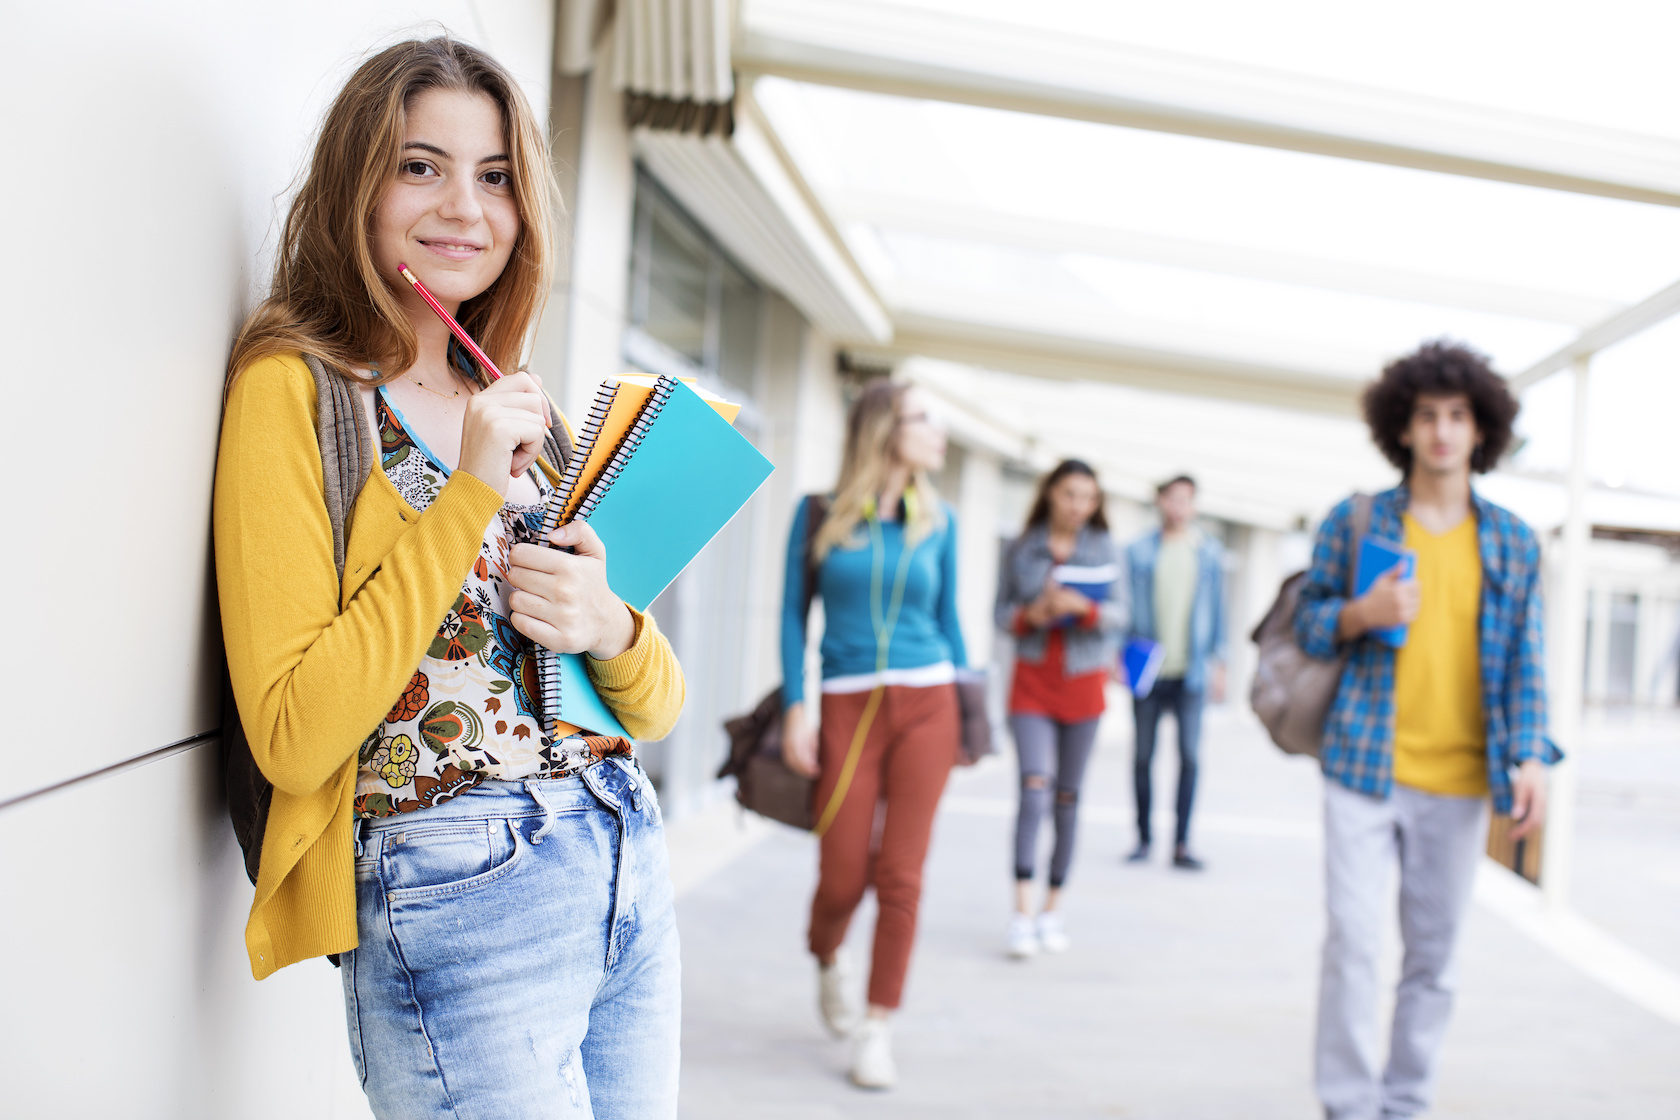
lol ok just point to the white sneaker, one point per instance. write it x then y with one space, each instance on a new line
1051 937
834 1001
1023 937
872 1060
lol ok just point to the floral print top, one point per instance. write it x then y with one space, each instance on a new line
471 711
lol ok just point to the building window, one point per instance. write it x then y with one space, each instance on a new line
693 312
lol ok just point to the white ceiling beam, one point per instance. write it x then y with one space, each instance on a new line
1259 489
1059 358
977 224
1275 500
1155 428
889 48
1618 328
1048 339
1083 316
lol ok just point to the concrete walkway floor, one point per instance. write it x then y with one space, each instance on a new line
1184 995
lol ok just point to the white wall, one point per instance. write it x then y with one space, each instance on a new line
805 416
152 146
800 396
129 993
978 500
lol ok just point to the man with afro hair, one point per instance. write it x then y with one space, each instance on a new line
1420 737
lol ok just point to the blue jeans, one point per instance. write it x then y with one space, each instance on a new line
1186 707
518 954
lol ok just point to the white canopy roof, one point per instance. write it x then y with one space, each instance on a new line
1215 199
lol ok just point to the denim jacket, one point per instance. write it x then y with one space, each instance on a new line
1207 610
1358 747
1026 565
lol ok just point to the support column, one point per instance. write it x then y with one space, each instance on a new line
592 290
1257 582
977 502
1648 645
1595 673
1568 660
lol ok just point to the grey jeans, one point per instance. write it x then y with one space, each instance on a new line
1437 842
1049 751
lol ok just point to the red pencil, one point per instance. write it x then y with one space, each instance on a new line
455 328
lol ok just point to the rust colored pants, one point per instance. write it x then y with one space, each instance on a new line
906 758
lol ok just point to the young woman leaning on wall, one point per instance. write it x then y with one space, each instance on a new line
497 895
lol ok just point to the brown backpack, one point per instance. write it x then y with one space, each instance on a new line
1293 691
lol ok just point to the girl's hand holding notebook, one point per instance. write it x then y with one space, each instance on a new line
562 600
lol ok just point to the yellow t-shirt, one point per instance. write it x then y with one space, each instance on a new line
1440 737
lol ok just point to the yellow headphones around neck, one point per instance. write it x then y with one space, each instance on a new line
871 505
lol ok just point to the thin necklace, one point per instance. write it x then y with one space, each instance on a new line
429 389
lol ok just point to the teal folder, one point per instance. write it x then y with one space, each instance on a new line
580 703
675 482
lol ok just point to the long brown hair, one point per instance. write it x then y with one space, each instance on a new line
328 298
870 428
1040 512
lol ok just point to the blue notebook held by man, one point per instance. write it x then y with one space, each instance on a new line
1378 555
1141 660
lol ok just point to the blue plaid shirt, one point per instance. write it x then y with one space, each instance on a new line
1358 746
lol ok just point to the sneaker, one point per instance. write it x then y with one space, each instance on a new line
1023 937
839 1014
1140 854
1051 937
872 1060
1184 861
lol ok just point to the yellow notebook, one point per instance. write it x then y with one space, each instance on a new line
617 404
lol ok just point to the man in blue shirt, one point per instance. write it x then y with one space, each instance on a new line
1177 576
1420 736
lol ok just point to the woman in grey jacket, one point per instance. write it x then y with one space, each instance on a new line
1060 594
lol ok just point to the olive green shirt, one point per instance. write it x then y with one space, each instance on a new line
1175 594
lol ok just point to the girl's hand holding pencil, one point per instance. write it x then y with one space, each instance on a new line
502 432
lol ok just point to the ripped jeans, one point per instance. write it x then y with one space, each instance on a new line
518 954
1050 754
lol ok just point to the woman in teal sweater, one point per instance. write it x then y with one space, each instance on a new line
885 563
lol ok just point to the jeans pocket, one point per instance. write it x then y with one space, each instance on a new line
449 857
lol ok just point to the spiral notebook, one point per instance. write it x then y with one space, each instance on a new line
658 470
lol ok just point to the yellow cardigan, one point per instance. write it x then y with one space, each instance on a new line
316 667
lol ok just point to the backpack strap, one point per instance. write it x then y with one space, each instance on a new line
557 444
346 449
816 512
